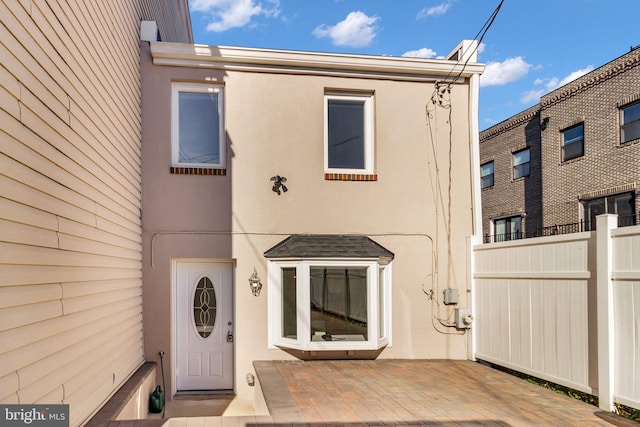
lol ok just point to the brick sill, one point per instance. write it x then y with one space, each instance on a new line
350 177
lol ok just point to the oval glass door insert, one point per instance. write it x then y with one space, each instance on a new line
204 307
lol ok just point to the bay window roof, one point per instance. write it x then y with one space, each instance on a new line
328 246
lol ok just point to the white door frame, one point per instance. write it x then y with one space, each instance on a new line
174 314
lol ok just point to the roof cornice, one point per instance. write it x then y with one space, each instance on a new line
510 123
315 63
600 75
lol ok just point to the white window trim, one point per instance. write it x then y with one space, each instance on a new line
368 132
176 88
375 341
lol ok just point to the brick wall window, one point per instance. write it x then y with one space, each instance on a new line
521 164
507 228
621 204
630 122
573 142
486 174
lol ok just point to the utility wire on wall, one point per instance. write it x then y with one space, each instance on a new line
441 99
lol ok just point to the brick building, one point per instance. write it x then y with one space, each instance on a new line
555 166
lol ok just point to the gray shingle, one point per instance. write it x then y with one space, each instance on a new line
328 246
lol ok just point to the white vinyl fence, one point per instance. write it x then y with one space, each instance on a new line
626 314
564 308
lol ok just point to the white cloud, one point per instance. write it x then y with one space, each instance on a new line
571 77
532 96
420 53
440 9
227 14
507 71
552 84
357 30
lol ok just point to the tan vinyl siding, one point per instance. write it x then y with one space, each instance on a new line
70 190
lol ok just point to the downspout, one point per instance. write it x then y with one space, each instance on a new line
476 191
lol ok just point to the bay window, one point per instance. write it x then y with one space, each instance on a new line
320 303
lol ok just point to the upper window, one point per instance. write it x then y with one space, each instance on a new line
197 119
521 163
573 142
348 145
630 122
329 302
486 174
507 228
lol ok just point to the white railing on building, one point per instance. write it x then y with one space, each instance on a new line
564 308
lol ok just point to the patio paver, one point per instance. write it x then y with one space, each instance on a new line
415 392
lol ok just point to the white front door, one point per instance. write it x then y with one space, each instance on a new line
204 326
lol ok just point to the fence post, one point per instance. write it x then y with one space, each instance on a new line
606 357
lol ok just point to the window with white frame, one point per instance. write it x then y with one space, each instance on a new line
486 174
521 163
630 122
348 133
197 120
329 292
573 142
329 304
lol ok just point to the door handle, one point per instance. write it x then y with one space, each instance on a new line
229 333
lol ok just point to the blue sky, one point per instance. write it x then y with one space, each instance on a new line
532 47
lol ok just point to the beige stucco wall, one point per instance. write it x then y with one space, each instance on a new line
274 126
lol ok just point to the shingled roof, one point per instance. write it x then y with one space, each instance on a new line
328 246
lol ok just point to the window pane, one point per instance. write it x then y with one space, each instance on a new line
487 169
204 307
573 134
346 134
487 181
289 303
199 128
501 230
521 157
486 173
594 208
621 204
630 131
573 150
516 228
521 170
338 304
508 229
624 205
631 113
521 163
630 122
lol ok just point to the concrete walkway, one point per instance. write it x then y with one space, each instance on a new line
414 392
